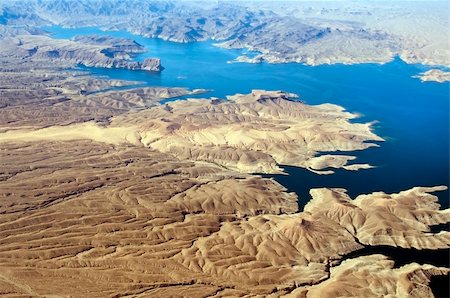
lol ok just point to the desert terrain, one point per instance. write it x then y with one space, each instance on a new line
151 199
109 190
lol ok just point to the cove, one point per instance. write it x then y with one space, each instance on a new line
412 116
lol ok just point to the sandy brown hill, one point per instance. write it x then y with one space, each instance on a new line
82 218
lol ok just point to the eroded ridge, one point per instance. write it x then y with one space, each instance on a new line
400 220
317 33
85 218
253 133
109 193
357 277
95 51
38 94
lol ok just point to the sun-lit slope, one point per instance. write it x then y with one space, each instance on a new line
373 276
253 133
304 246
247 133
104 215
84 218
107 193
264 251
401 219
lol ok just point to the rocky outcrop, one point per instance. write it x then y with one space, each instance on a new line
253 132
434 75
92 51
401 220
357 277
152 64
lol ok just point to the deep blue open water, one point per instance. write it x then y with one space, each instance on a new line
412 116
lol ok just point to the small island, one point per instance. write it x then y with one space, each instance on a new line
434 75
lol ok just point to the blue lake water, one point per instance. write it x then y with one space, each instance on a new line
412 116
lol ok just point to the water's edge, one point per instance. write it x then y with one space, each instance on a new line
413 118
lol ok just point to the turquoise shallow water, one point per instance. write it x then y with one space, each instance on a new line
412 116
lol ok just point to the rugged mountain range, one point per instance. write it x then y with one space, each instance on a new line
329 36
